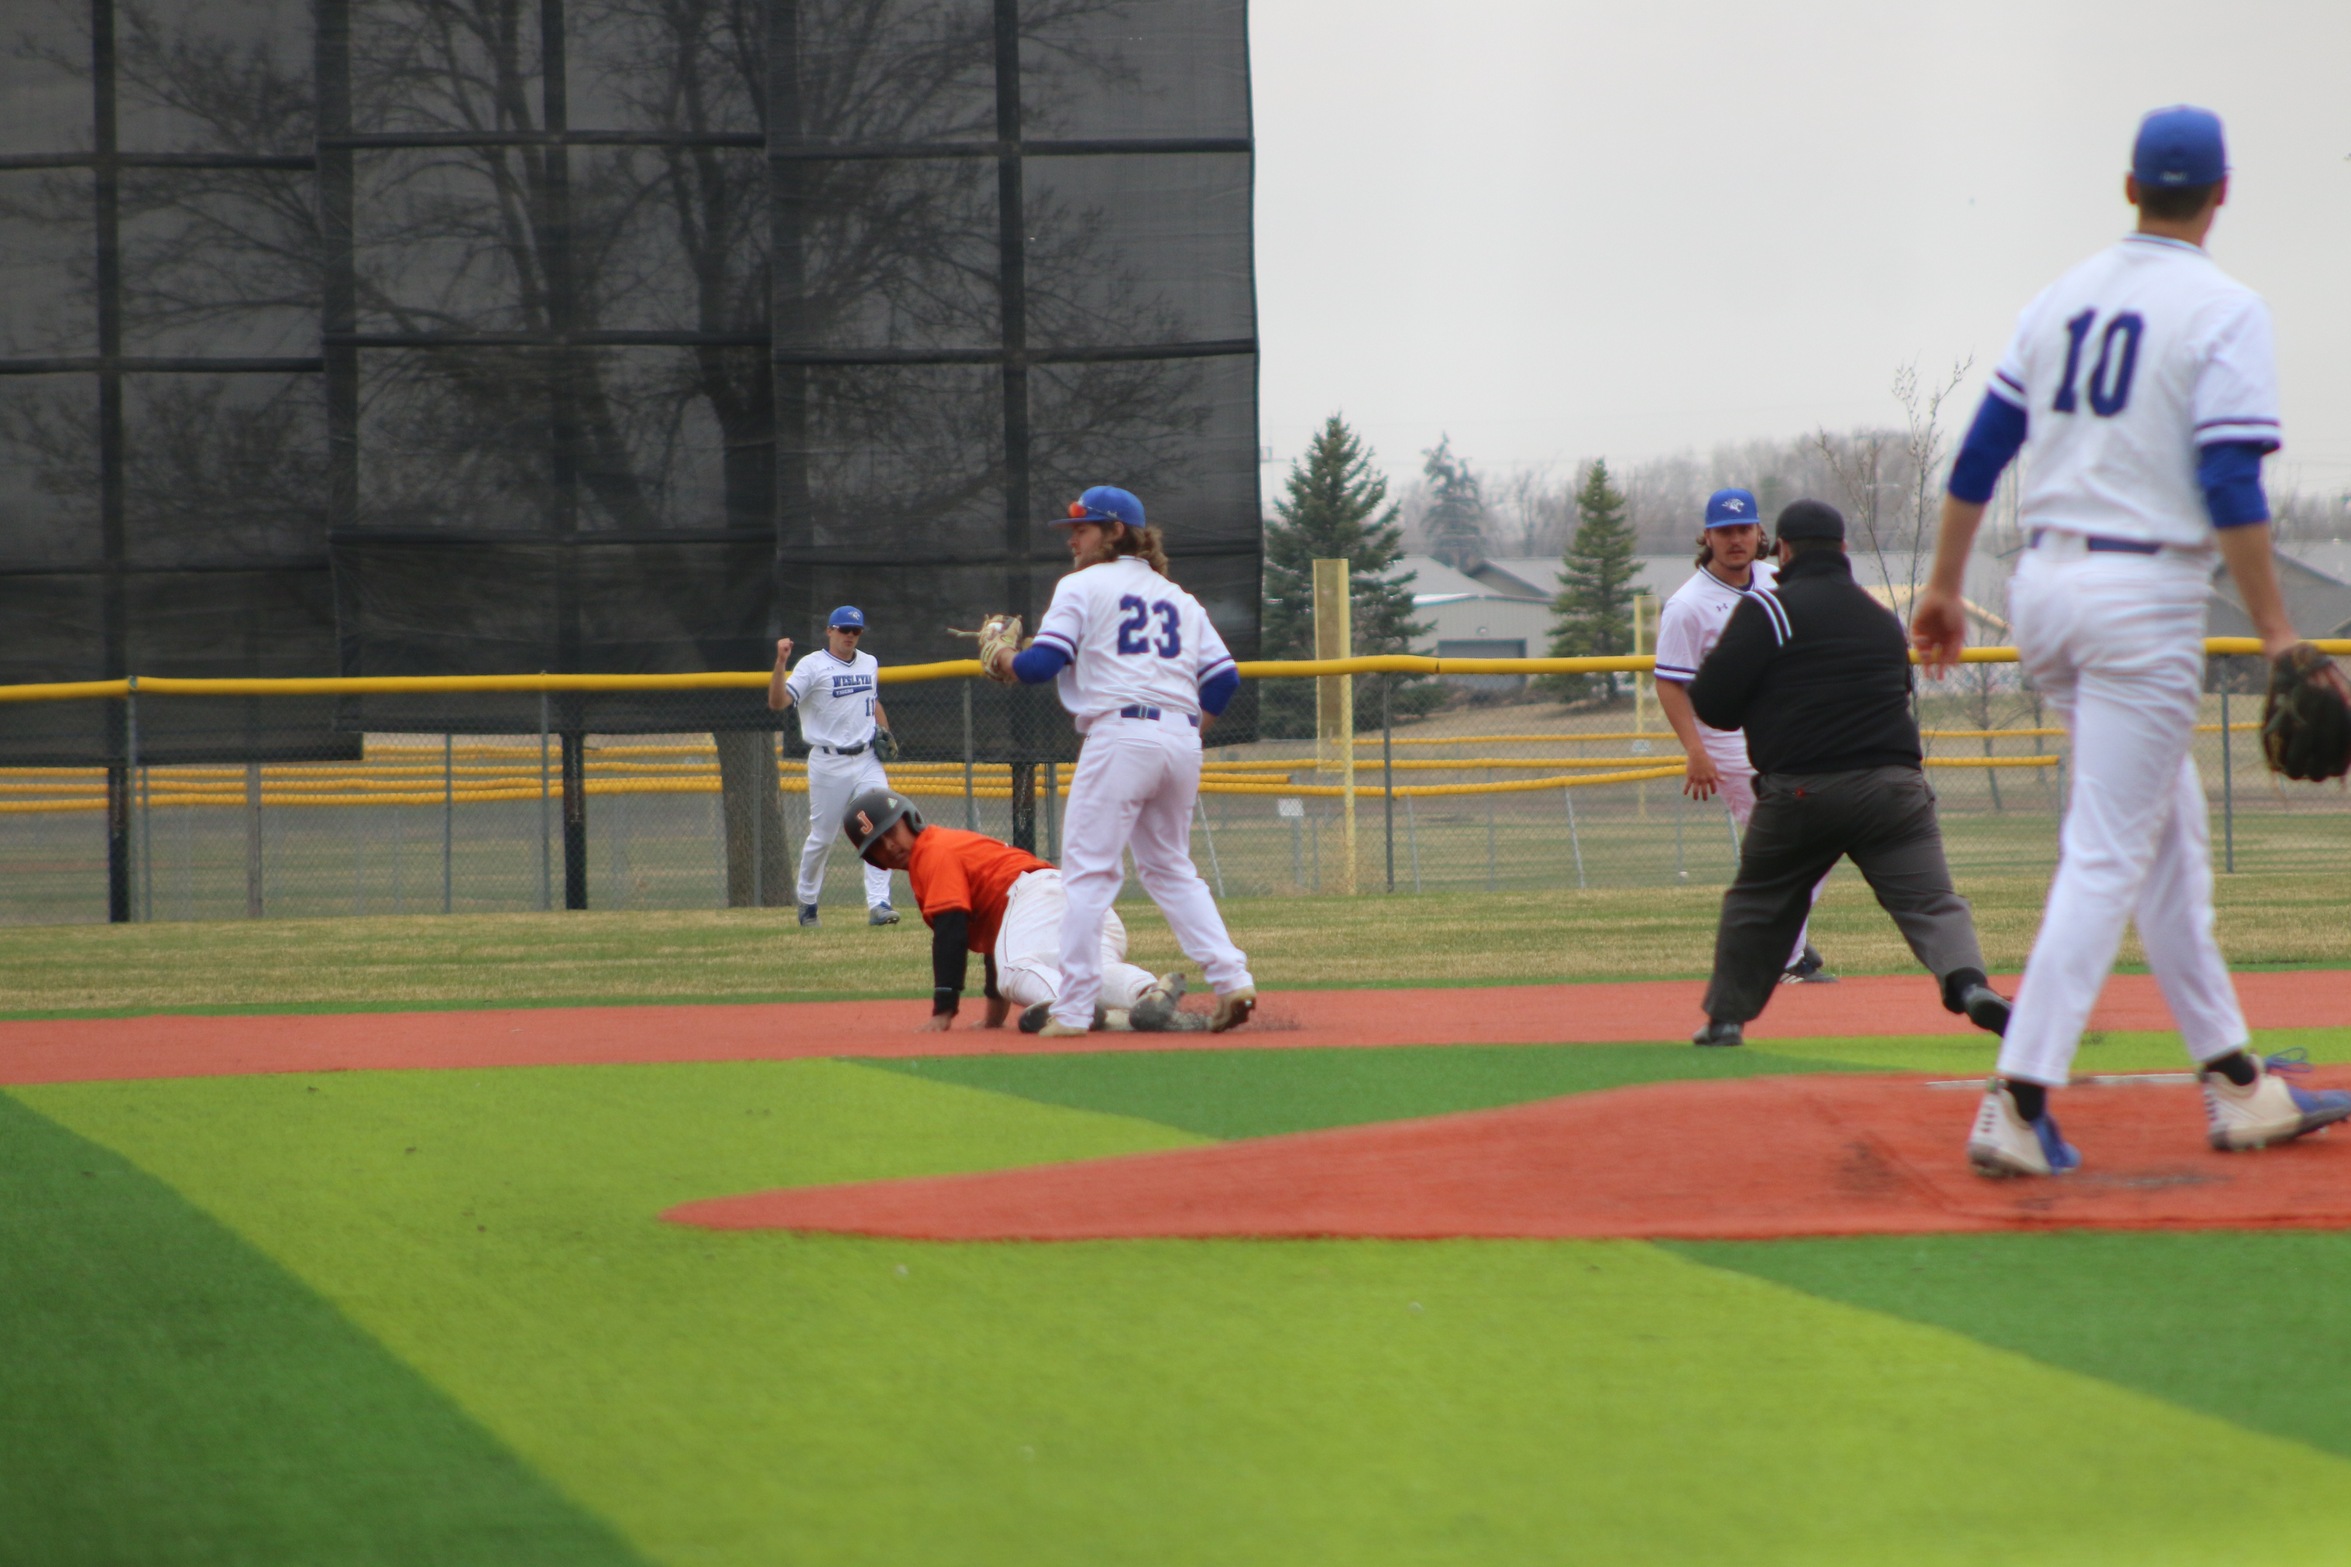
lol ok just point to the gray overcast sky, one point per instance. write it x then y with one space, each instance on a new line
1560 231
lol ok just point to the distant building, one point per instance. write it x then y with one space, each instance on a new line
2317 583
1501 606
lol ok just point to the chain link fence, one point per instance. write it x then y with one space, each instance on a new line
685 792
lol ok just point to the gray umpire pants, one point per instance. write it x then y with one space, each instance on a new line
1883 819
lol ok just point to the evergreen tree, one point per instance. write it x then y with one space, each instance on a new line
1456 520
1593 615
1335 507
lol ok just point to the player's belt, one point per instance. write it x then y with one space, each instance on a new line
1154 713
2104 544
842 750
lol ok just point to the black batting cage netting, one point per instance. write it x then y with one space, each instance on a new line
428 337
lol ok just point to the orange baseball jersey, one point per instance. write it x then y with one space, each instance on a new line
950 869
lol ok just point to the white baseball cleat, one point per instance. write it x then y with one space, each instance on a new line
1233 1009
1154 1012
1056 1029
2004 1143
2269 1109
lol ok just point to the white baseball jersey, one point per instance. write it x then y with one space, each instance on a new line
1689 626
1134 639
2125 367
835 697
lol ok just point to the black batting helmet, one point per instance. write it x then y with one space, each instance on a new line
871 813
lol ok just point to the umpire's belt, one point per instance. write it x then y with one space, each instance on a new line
1155 713
2103 544
843 750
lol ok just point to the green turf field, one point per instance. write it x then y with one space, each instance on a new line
410 1317
746 955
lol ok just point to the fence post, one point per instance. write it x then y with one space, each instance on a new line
146 804
1053 812
546 867
1024 804
1574 839
252 840
1644 686
1200 804
448 817
759 831
1681 871
121 820
2228 787
1489 778
1412 832
1334 700
575 816
1388 772
971 809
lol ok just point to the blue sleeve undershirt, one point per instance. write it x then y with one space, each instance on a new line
1218 690
2230 472
1992 443
1038 663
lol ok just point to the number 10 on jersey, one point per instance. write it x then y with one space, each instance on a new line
2118 361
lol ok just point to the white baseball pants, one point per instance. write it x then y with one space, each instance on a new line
1135 783
1028 947
1737 793
2116 643
833 781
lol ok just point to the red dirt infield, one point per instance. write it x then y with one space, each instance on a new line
1740 1159
178 1045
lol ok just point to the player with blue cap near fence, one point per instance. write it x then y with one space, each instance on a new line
837 689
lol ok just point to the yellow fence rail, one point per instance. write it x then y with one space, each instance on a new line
896 674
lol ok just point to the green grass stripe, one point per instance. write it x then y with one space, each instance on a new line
1973 1055
169 1394
2254 1327
749 1398
1258 1093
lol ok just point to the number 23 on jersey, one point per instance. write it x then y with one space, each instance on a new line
1134 631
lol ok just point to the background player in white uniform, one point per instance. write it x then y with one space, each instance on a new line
2142 387
838 691
1140 668
1688 627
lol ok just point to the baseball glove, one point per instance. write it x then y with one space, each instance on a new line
999 633
2306 721
885 746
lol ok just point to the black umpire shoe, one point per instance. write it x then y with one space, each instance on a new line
1986 1008
1809 969
1719 1031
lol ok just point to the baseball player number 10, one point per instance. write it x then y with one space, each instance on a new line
2105 402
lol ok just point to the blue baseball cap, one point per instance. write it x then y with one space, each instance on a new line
2179 146
1104 503
847 618
1731 508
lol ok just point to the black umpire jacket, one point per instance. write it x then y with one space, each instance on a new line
1815 671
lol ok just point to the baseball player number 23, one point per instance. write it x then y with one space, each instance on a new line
1132 637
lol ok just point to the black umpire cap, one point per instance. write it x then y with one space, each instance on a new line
1812 520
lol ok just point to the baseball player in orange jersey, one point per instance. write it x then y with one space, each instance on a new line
981 895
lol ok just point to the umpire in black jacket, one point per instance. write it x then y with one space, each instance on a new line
1817 673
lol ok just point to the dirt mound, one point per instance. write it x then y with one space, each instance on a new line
1753 1158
